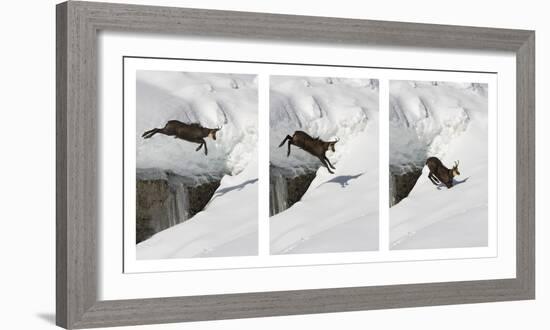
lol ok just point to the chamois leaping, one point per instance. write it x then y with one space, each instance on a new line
314 146
193 132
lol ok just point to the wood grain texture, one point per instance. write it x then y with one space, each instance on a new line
77 185
525 164
61 166
77 153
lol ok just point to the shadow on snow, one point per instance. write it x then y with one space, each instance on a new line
237 187
455 183
343 180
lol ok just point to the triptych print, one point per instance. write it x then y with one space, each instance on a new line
199 182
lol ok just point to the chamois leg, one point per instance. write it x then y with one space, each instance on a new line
150 133
325 164
201 143
288 137
328 162
432 178
288 152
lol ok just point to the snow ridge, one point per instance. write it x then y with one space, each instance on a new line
229 101
423 122
447 120
338 212
323 107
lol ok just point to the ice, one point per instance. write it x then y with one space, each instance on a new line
278 191
447 120
224 227
214 100
328 108
425 118
338 212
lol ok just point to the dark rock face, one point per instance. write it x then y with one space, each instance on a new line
165 199
286 187
402 182
153 201
297 186
200 195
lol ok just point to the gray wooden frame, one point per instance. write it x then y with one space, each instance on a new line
77 152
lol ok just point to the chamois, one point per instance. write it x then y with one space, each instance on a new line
189 132
314 146
441 174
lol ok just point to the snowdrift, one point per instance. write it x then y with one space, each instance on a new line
221 229
338 212
322 107
447 120
214 100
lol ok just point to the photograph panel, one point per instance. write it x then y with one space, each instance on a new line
323 164
196 160
438 155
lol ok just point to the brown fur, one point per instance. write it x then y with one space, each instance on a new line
193 132
441 174
313 146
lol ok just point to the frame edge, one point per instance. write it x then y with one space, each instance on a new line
61 290
76 164
76 282
525 165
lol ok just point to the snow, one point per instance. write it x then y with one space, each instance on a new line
214 100
449 121
322 107
221 229
338 212
229 101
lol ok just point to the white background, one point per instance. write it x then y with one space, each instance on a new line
28 164
116 285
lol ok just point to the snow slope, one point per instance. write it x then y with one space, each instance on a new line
221 229
338 212
447 120
214 100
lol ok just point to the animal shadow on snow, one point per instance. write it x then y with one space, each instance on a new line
343 180
455 183
224 191
232 188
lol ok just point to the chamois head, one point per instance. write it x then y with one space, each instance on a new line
212 133
332 143
455 169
